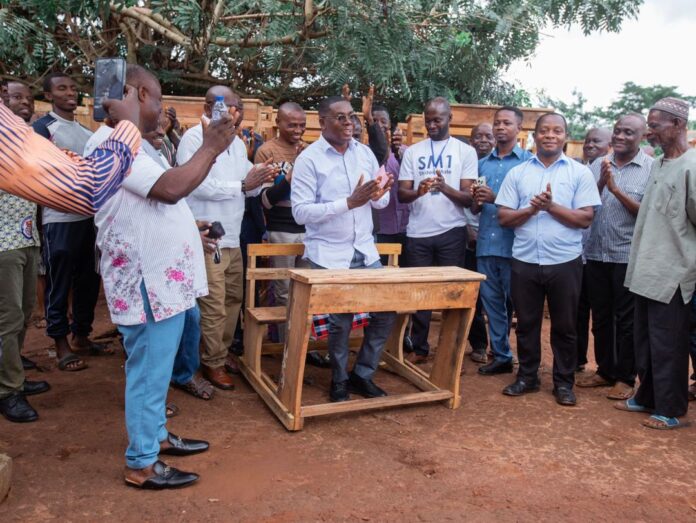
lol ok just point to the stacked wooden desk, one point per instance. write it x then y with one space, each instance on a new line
313 291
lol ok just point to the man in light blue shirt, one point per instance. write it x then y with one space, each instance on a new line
333 192
548 200
494 244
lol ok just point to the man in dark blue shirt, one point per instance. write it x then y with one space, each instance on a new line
494 244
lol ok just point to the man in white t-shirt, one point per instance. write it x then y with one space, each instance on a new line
435 179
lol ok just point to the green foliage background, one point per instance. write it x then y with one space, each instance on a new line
299 49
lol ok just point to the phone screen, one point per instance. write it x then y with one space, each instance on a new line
109 82
381 177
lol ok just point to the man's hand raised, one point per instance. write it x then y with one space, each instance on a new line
260 173
367 105
385 189
218 134
363 193
121 110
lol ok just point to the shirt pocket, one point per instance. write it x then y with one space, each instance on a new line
667 200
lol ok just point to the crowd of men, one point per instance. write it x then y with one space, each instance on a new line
611 236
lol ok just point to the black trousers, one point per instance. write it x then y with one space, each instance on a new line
446 249
612 321
560 286
583 326
69 256
661 333
478 336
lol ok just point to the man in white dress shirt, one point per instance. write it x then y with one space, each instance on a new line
333 192
221 198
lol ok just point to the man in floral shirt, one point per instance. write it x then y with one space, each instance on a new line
153 270
19 258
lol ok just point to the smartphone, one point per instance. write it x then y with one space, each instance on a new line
381 177
109 82
481 182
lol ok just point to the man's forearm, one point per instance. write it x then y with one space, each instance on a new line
179 182
460 198
629 203
515 217
575 218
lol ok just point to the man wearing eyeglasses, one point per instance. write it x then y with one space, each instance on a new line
220 197
333 192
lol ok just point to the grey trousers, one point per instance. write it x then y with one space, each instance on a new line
18 270
376 334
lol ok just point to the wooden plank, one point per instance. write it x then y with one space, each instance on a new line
354 342
253 342
388 248
268 274
386 275
395 342
270 398
275 249
266 315
375 403
446 370
337 298
410 372
299 328
251 283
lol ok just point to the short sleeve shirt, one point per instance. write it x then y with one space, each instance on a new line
542 239
434 213
143 240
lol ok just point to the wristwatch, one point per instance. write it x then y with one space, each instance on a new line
244 186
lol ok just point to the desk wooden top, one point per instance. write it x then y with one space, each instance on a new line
385 275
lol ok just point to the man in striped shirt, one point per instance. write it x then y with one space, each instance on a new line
621 179
33 168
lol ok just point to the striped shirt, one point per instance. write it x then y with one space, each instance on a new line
610 236
31 167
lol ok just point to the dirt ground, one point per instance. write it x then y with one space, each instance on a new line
494 459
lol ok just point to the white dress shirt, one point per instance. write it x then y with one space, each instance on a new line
219 197
322 181
142 240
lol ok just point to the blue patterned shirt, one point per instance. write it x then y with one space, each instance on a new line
17 223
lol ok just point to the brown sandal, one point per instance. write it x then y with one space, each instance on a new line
198 387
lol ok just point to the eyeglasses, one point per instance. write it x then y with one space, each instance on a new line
342 118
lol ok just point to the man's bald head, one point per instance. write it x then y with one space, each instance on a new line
440 102
289 107
596 144
230 98
137 75
437 116
149 96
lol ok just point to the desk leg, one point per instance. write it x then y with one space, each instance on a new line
447 367
297 338
395 343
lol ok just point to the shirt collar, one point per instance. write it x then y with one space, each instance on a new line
517 151
638 159
326 146
562 159
61 119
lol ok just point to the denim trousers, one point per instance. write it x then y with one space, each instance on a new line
495 295
151 348
376 334
188 357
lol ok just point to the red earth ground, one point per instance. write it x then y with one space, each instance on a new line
494 459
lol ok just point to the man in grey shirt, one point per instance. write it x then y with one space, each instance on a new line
68 245
662 271
621 179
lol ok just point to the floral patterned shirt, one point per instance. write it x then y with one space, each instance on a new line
17 223
142 240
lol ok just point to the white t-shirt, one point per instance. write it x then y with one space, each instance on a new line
434 214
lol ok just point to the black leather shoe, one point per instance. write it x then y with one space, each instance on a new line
565 396
184 447
366 388
35 387
165 477
339 391
521 387
408 344
15 407
496 367
27 364
315 359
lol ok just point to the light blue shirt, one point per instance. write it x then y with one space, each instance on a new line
543 240
322 181
494 240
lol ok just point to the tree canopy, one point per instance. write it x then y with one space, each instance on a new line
632 98
276 50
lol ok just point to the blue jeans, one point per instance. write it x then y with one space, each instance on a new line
151 348
495 295
188 357
376 334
